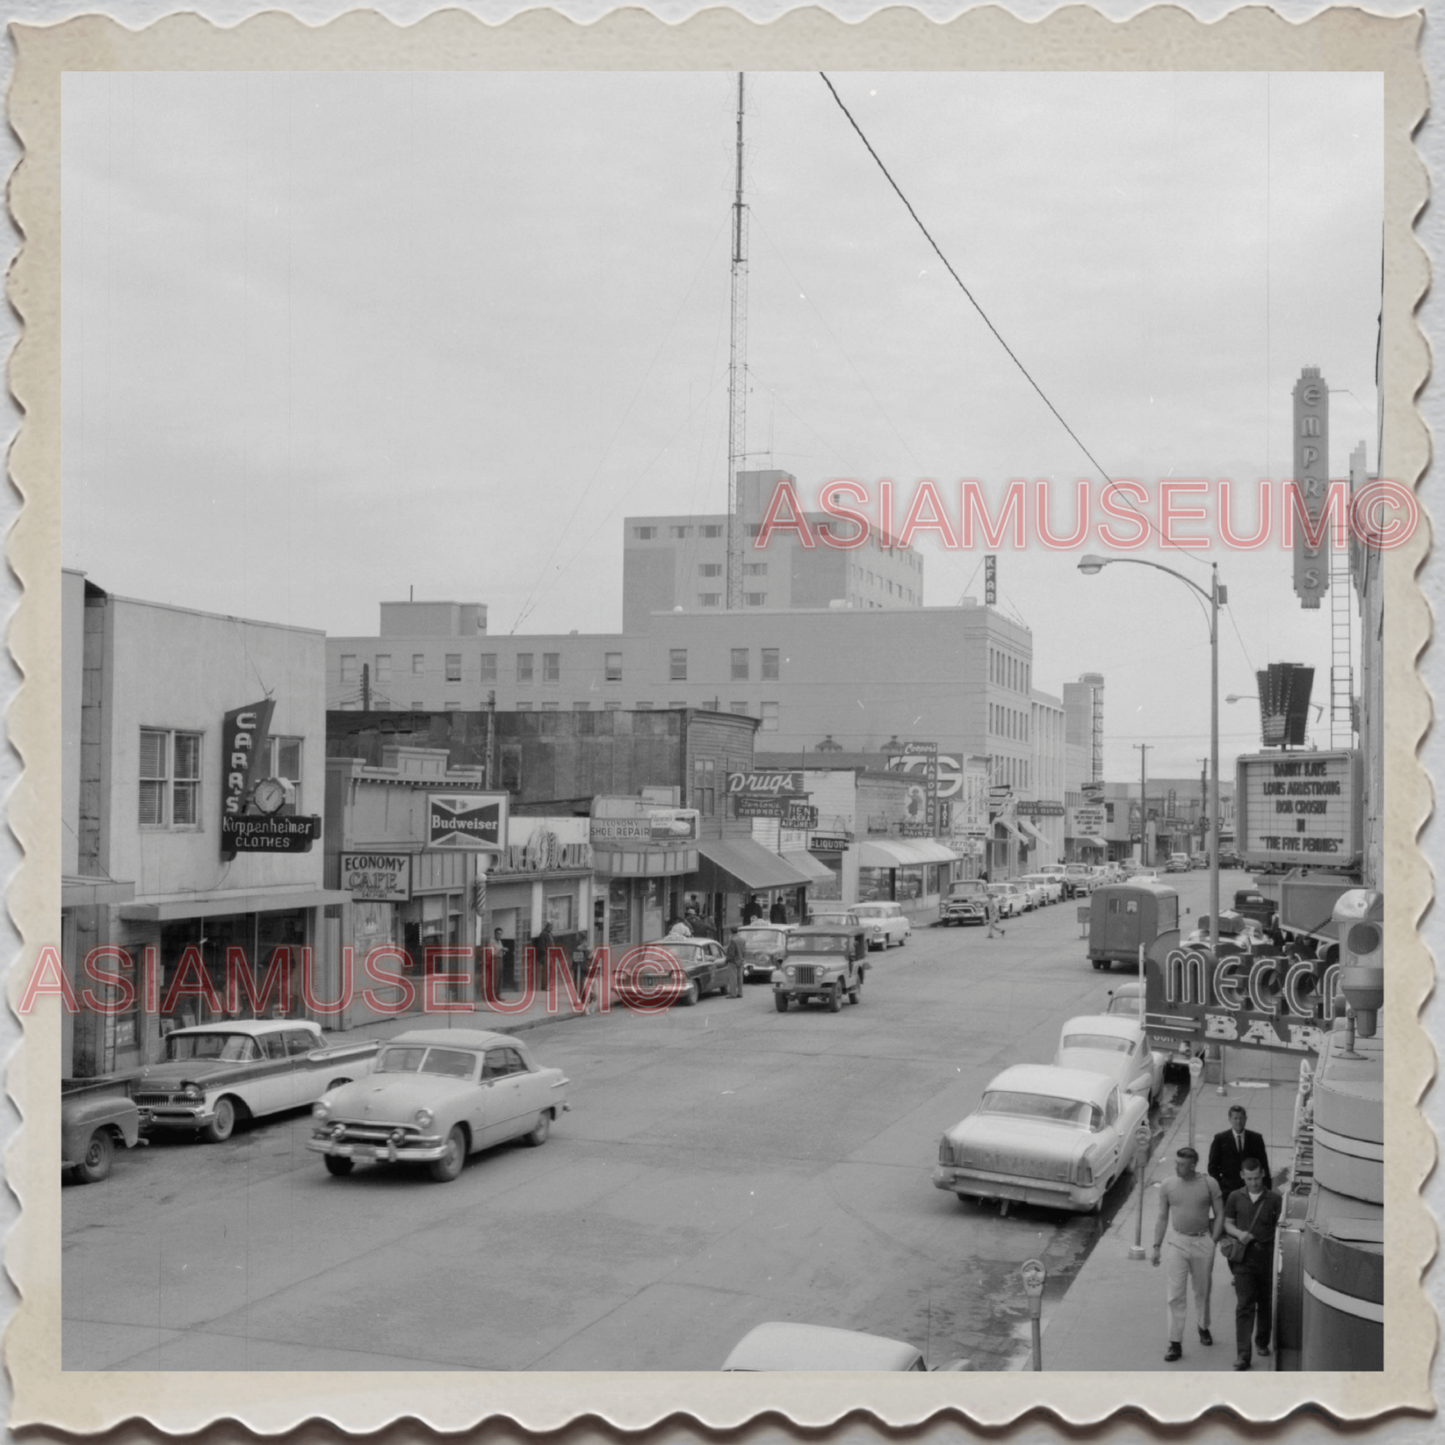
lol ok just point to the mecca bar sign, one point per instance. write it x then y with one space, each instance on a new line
1299 807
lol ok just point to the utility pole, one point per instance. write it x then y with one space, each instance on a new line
1203 803
1143 805
491 738
366 687
737 375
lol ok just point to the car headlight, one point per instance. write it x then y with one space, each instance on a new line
191 1093
423 1117
790 973
321 1110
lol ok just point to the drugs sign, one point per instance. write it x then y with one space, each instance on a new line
1301 808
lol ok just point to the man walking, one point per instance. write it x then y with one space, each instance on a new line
1191 1217
1251 1215
1230 1148
735 965
990 908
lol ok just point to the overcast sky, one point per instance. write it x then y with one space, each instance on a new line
327 338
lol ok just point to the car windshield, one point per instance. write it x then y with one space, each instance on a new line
229 1048
418 1059
1099 1043
830 915
1047 1108
872 910
759 940
818 943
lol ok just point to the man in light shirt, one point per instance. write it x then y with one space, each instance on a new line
1191 1219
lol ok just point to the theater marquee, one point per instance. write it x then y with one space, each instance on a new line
1301 808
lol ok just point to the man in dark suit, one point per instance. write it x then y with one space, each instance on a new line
1231 1147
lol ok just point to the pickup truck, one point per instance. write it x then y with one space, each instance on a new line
965 902
97 1116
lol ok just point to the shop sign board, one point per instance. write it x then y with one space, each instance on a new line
551 845
1088 820
800 816
1312 478
948 767
244 733
476 822
829 842
377 877
1299 807
749 807
1273 1004
1030 808
274 834
770 784
631 823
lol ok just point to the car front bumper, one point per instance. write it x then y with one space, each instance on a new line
420 1151
979 1184
176 1116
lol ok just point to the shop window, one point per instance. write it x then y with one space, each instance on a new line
769 716
740 664
614 667
454 667
770 664
559 912
524 667
170 779
551 666
348 667
489 666
677 664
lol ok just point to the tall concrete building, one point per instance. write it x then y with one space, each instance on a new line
681 561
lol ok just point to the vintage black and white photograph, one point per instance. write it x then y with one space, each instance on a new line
723 721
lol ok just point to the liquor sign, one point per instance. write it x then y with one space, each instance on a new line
261 834
829 842
476 822
1028 808
1248 1002
1312 477
1301 808
771 784
377 877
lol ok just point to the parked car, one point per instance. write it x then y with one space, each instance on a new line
965 902
1177 863
822 964
1049 887
1237 934
435 1096
1009 899
1124 1000
784 1345
763 947
214 1074
1115 1046
1127 916
1253 904
884 924
1199 860
1229 859
698 966
828 913
97 1117
1034 895
1045 1135
1079 878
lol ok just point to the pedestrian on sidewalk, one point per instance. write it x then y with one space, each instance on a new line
1191 1218
1231 1147
735 965
778 913
1251 1215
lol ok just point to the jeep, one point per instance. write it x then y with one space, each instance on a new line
822 964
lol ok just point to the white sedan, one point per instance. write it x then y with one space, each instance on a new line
884 924
1043 1135
1049 886
1009 899
1113 1045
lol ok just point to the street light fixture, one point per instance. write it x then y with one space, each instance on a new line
1091 565
1254 697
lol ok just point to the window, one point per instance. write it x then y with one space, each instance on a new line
489 667
754 528
551 666
613 671
704 786
890 589
581 707
524 707
450 706
677 664
755 569
770 664
770 717
524 667
709 599
454 667
550 706
348 667
418 663
755 599
680 702
644 534
643 707
612 706
418 707
383 667
740 664
170 779
712 529
709 569
740 708
681 531
283 760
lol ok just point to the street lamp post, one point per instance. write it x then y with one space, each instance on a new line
1091 566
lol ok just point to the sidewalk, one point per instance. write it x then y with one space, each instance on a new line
473 1016
1113 1316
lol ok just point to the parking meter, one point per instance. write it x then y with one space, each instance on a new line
1033 1274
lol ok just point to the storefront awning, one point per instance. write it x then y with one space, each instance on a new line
1012 830
806 863
1031 830
1090 841
211 905
80 892
903 853
747 863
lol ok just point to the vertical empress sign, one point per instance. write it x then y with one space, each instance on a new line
1312 478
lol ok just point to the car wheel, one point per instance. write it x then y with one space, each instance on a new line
99 1154
223 1124
835 998
338 1164
780 1002
690 995
538 1136
445 1169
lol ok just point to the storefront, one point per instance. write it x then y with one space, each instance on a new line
645 852
733 869
911 871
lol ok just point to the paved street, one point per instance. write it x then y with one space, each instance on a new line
721 1166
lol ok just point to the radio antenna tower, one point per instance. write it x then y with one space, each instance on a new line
737 375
